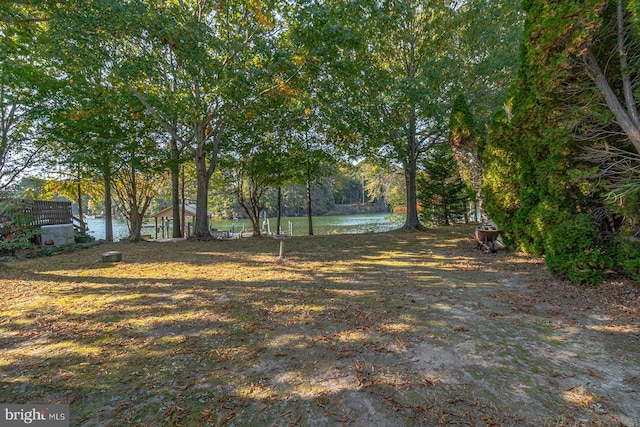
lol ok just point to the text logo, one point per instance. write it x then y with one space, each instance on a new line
34 415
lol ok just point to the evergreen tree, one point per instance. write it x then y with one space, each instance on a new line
466 145
442 194
537 177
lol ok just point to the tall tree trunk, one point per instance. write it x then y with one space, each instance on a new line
175 189
135 217
255 209
201 228
250 205
203 130
203 175
135 225
483 211
279 214
446 212
80 213
255 224
108 218
183 202
412 222
309 210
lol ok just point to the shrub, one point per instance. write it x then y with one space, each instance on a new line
573 251
83 237
16 233
533 225
629 258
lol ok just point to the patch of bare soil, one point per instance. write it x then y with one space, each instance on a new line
480 340
387 329
485 340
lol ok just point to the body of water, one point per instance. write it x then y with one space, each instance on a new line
322 225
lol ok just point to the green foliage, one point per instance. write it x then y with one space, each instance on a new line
346 186
628 259
487 51
384 184
382 67
532 224
441 192
83 237
461 123
466 144
24 91
16 233
573 251
530 180
222 205
539 188
500 185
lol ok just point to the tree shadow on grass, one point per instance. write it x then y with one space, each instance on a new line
378 330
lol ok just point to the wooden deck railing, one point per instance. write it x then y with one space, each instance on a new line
43 212
48 213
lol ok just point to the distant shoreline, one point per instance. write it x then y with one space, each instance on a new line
353 223
357 208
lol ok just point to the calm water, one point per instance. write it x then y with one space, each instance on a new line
343 224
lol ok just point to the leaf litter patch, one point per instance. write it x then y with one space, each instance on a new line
377 329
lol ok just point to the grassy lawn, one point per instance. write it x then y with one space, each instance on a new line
375 329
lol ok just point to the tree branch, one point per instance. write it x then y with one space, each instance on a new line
622 116
624 68
156 116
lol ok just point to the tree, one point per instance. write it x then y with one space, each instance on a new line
500 176
541 187
616 38
24 90
486 50
75 186
84 134
441 192
608 55
177 196
314 160
193 65
594 56
256 171
347 185
86 124
135 182
381 78
383 184
466 145
220 56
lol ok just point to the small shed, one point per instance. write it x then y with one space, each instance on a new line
166 220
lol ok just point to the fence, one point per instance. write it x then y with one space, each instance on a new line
41 212
48 213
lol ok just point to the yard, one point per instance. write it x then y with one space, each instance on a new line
387 329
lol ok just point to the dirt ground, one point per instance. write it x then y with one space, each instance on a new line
388 329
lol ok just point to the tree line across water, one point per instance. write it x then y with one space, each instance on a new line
526 109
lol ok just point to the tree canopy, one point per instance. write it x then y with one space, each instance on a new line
552 162
537 103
